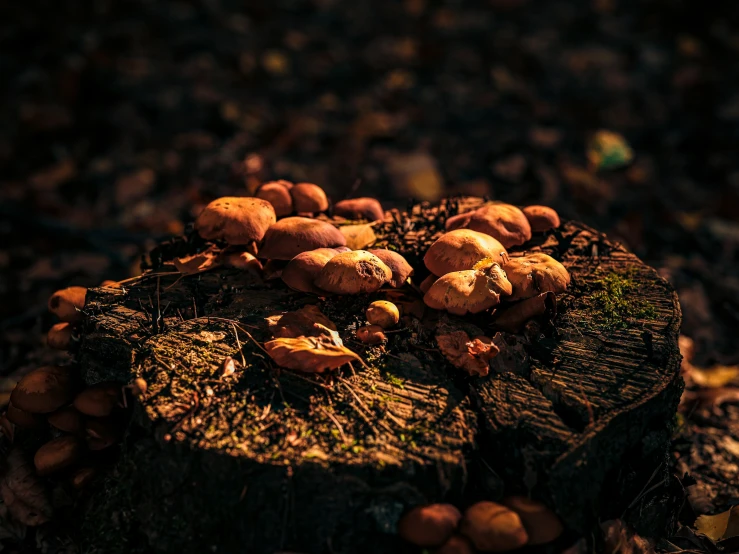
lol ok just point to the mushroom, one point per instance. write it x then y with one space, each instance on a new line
301 272
83 477
542 524
541 218
383 313
535 273
67 419
353 272
22 418
430 525
457 544
290 236
371 334
460 250
398 265
308 198
492 527
360 208
236 220
470 291
43 390
504 222
57 454
427 282
101 433
59 336
98 400
513 318
67 303
277 194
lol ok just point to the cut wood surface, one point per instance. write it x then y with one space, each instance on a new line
576 411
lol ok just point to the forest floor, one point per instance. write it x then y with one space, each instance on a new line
118 122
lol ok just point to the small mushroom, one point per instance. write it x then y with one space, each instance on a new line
541 218
492 527
100 433
460 250
354 272
277 194
457 544
57 454
98 400
309 198
43 390
22 418
383 313
542 524
470 291
290 236
67 303
398 265
59 336
427 282
371 334
535 273
83 477
236 220
67 419
430 525
360 208
300 273
504 222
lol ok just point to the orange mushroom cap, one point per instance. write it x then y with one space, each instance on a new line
503 222
59 336
360 208
541 524
67 303
535 273
461 249
22 418
236 220
541 218
277 194
398 265
308 198
371 334
67 419
430 525
457 544
353 272
290 236
102 432
383 313
43 390
460 292
57 454
492 527
98 400
300 273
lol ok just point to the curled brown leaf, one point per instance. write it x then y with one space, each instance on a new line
309 354
471 354
308 321
22 492
198 263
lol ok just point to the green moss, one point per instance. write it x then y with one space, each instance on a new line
617 300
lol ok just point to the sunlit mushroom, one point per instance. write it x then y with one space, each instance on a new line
277 194
300 273
457 544
308 198
535 273
470 291
59 336
371 334
383 313
353 272
67 303
492 527
430 525
360 208
397 263
290 236
541 218
542 524
504 222
460 250
236 220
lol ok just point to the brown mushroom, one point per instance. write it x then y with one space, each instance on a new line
430 525
59 336
360 208
492 527
383 313
504 222
102 432
57 454
353 272
541 218
542 524
535 273
513 318
427 282
371 334
309 198
398 265
43 390
457 544
67 303
236 220
83 477
277 194
460 250
300 273
67 419
290 236
22 418
98 400
470 291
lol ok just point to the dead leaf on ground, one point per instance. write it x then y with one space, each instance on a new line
715 376
621 539
721 526
472 355
309 354
22 491
198 263
308 321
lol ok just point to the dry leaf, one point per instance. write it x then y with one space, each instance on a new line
309 354
472 355
22 491
308 321
358 237
197 263
621 539
720 526
714 377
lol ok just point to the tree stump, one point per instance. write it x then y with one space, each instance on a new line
576 411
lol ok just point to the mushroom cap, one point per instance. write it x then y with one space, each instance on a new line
67 303
67 419
504 222
236 220
43 390
300 273
457 544
59 336
492 527
466 291
541 218
353 272
360 208
535 273
98 400
22 418
308 197
371 334
57 454
430 525
461 249
83 477
397 263
278 195
496 277
542 524
427 282
290 236
102 432
383 313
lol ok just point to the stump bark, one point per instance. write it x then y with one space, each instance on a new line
576 412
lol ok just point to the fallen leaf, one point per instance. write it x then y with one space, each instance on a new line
472 355
621 539
714 377
308 321
608 150
228 366
719 526
22 491
309 354
198 263
358 237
